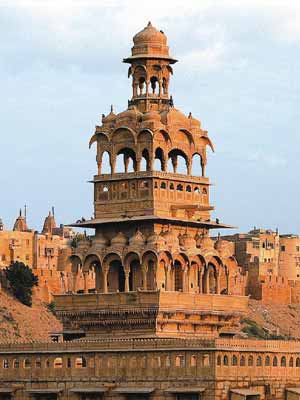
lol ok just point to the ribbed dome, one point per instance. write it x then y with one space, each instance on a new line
149 35
151 116
137 239
49 224
131 113
156 239
206 242
173 116
119 240
110 118
170 238
194 122
20 223
100 241
187 241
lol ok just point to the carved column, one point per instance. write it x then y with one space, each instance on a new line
147 87
144 275
127 272
85 282
97 279
99 163
174 163
105 273
74 283
160 87
218 282
206 286
200 280
185 280
228 283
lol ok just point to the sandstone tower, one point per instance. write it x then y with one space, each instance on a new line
151 253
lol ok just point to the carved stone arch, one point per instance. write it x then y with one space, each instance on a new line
207 142
170 69
137 67
131 138
182 258
149 265
173 156
133 271
160 154
76 261
110 257
189 136
131 256
165 256
217 262
114 272
164 135
97 137
145 135
90 258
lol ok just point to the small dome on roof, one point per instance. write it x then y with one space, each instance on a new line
156 239
149 35
20 223
119 240
110 118
132 113
173 116
137 239
151 116
49 224
205 242
194 122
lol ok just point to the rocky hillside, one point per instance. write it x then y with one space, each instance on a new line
20 323
272 321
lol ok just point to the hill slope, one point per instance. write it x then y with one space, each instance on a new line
19 323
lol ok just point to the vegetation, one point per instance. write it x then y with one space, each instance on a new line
21 281
51 307
253 330
76 239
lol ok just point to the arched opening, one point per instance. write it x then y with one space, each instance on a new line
92 274
154 84
116 277
125 161
179 162
159 160
165 86
210 280
178 277
80 362
58 362
151 281
196 169
142 85
105 163
135 276
145 161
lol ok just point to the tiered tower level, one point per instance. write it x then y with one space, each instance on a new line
157 271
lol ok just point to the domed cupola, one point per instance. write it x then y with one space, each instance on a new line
170 238
205 242
156 239
137 239
132 114
173 117
187 241
110 119
151 119
49 224
100 241
20 223
120 240
194 123
222 246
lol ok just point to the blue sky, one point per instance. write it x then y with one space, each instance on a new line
238 72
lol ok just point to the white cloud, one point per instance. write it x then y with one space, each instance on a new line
210 58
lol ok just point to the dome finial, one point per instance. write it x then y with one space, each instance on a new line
149 24
111 108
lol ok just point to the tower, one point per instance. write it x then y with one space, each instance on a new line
151 253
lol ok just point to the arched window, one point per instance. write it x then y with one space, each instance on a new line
171 186
105 165
27 363
188 188
196 169
145 161
242 361
267 361
250 361
291 362
275 362
47 364
204 191
142 85
219 360
168 361
179 361
159 160
16 364
297 362
154 84
234 360
58 362
179 188
283 362
259 361
193 361
196 190
38 363
206 360
163 185
225 360
177 161
5 363
80 362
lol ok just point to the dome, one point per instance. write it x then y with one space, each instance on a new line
20 223
49 224
131 113
156 239
119 240
194 123
170 238
173 116
151 116
150 35
187 241
137 239
150 43
110 118
100 241
205 243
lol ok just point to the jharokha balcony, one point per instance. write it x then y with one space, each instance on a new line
153 313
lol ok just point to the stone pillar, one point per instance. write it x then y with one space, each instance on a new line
97 279
127 272
218 283
144 275
200 280
147 87
166 267
85 282
174 163
206 286
138 164
228 283
99 163
74 282
105 273
160 87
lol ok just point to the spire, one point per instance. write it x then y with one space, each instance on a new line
20 223
49 223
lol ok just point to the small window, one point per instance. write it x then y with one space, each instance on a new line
80 362
179 188
282 248
275 362
297 248
259 361
58 362
171 186
242 361
38 363
206 360
283 362
179 361
16 364
5 364
144 184
204 191
297 362
47 364
193 361
27 363
225 360
219 360
163 185
291 362
267 361
196 190
234 360
250 361
188 188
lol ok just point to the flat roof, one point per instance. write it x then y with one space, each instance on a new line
185 390
92 223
